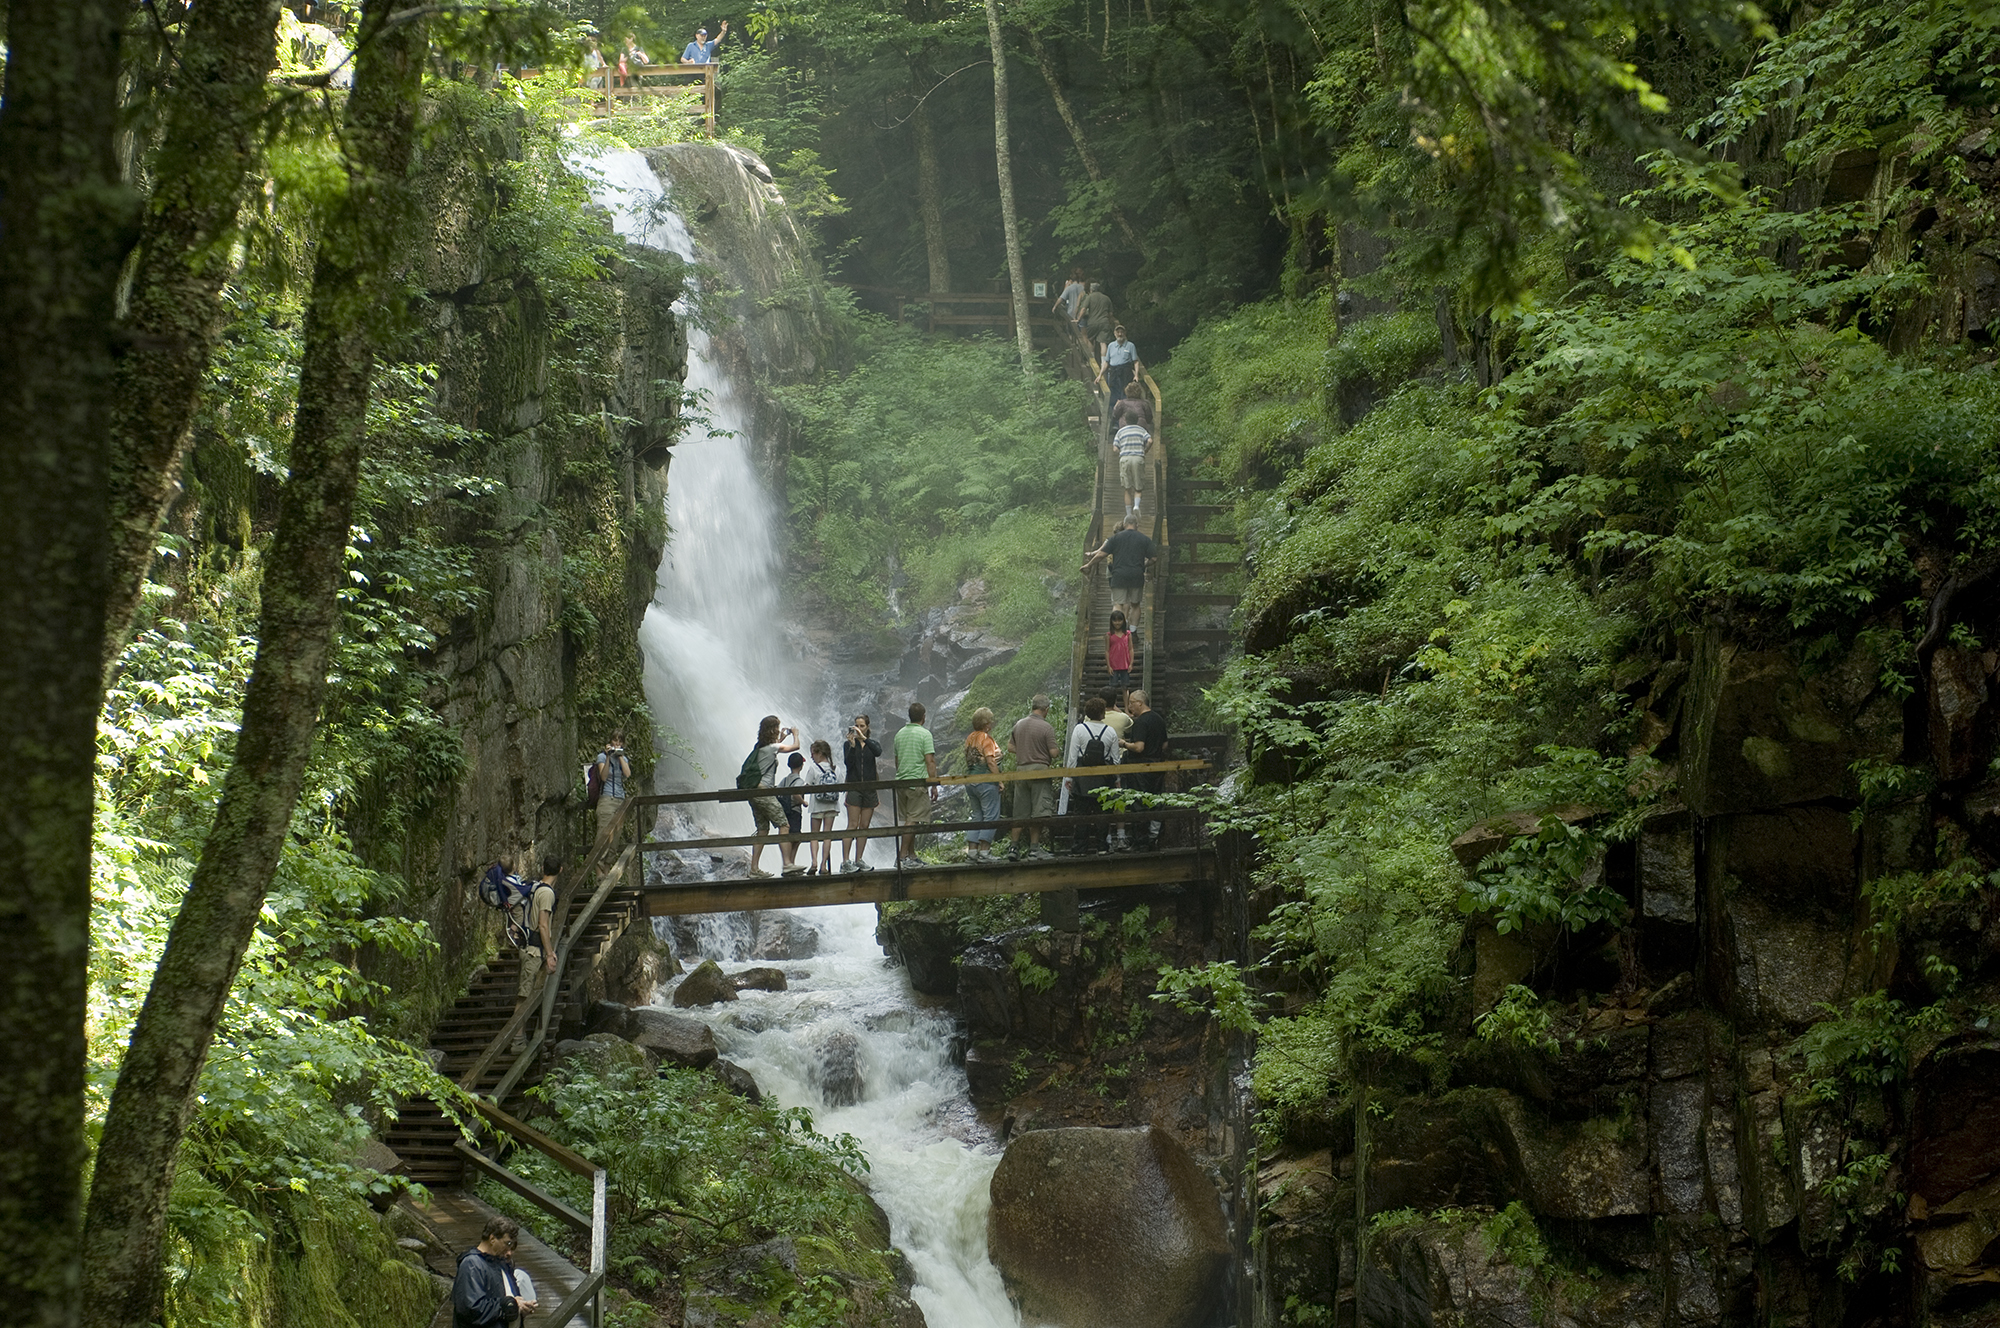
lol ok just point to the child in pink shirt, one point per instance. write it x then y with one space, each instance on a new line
1118 652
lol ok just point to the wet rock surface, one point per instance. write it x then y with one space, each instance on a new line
675 1039
758 979
1107 1229
927 946
706 985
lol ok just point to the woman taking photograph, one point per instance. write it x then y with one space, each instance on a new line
858 754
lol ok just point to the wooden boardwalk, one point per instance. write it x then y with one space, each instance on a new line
455 1220
1107 871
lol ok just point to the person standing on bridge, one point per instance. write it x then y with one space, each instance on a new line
1091 743
764 809
701 51
1033 747
1121 364
1131 553
916 758
1146 740
982 757
859 752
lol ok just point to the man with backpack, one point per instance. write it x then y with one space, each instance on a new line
1091 743
536 941
760 770
612 769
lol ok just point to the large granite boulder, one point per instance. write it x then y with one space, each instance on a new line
1107 1229
675 1039
758 979
603 1052
707 985
836 1068
927 947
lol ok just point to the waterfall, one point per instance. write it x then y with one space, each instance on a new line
712 639
716 661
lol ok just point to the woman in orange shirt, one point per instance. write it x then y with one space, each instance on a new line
982 757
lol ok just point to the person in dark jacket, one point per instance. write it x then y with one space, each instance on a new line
482 1295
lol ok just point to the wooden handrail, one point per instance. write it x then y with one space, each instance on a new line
572 1305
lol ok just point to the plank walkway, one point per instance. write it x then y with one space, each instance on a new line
455 1220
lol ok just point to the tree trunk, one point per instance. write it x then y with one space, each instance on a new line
1024 334
66 222
211 148
353 278
930 200
1075 127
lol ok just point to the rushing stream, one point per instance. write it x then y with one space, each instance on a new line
849 1039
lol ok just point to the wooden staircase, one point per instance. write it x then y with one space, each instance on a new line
423 1136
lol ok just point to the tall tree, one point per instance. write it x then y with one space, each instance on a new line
65 226
930 199
354 279
211 148
1024 334
1076 135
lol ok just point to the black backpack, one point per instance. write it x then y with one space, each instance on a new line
1094 752
752 774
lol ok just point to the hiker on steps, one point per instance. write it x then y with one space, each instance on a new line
482 1293
1121 364
613 769
760 770
538 947
1130 553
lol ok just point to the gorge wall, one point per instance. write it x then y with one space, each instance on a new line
1725 1122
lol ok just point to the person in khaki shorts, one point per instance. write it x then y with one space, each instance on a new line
916 758
1033 747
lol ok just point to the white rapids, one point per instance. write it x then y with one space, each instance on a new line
715 662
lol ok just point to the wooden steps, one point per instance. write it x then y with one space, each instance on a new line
422 1136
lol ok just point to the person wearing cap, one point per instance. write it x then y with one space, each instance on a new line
701 51
1033 747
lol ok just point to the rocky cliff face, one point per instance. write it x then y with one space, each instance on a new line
574 410
1663 1152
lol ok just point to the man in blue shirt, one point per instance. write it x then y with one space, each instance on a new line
701 51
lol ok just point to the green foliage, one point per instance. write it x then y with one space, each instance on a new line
936 459
1868 1046
1215 988
1518 1017
1554 875
695 1170
1033 976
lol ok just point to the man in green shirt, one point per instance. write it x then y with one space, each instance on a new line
916 758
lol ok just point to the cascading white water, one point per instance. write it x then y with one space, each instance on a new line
849 1027
712 638
715 663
